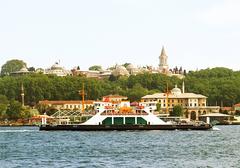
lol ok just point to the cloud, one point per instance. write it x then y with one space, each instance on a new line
226 13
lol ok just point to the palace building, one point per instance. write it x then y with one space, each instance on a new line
193 104
164 68
163 65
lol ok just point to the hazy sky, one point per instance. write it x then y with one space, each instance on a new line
196 34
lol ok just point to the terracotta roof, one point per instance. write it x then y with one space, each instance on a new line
61 102
226 108
41 116
237 105
115 96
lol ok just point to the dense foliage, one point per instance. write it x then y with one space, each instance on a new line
12 66
177 111
220 85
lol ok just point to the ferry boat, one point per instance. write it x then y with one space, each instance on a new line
107 118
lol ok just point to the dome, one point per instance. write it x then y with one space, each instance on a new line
130 67
56 66
120 70
176 91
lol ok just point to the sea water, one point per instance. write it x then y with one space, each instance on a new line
29 147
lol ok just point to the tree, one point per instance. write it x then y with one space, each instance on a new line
126 64
136 92
95 68
3 106
3 109
27 113
12 66
31 69
158 106
177 111
42 108
14 110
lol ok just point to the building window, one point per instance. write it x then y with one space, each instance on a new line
172 101
195 104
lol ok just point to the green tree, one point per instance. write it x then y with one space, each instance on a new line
3 106
3 109
31 69
42 108
95 68
158 106
12 66
126 64
27 113
177 111
14 110
136 92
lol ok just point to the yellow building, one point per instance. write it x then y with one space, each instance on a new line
67 104
193 104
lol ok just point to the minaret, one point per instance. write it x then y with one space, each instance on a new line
163 65
22 94
183 87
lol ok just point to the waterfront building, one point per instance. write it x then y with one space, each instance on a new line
236 107
218 118
67 104
114 98
193 104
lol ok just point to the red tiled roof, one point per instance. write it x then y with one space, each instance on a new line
61 102
115 96
237 105
226 108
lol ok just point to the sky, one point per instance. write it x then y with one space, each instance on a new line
196 34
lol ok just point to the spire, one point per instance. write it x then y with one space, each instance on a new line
163 53
183 87
163 65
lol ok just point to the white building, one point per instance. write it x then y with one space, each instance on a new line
192 103
58 70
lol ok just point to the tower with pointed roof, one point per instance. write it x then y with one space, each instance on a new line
163 65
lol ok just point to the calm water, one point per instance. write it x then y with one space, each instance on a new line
28 147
